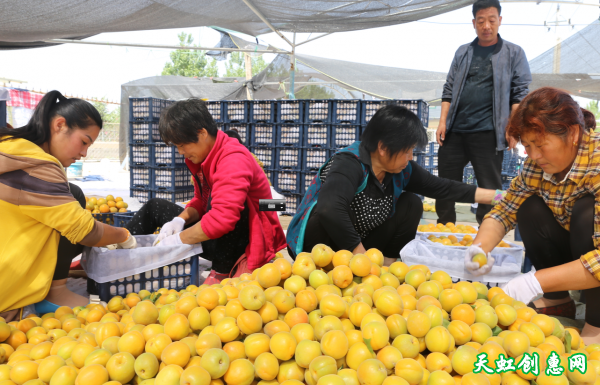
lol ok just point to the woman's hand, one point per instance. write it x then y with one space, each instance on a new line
129 243
170 228
524 288
473 267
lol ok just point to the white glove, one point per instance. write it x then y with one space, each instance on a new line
129 243
473 267
111 247
171 240
524 288
170 228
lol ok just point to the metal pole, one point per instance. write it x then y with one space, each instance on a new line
264 20
293 69
248 66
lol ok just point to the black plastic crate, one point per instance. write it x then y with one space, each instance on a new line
314 158
289 158
263 111
141 154
317 111
307 178
235 111
343 135
167 156
243 129
147 108
263 134
290 134
316 135
290 111
346 111
174 196
177 276
142 195
215 107
140 177
266 155
292 201
288 182
122 219
171 178
141 131
418 106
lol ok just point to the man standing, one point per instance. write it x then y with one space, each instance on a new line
487 80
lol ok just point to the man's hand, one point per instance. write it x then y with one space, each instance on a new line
441 133
512 142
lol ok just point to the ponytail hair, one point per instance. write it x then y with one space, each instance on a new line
589 119
77 113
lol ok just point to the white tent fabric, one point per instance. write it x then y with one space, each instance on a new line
28 23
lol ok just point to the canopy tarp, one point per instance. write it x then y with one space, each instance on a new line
28 23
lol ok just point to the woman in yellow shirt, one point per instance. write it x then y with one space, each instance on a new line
556 201
36 203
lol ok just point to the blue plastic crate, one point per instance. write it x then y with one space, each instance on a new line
174 196
141 194
314 158
266 155
167 156
290 134
263 134
171 178
343 135
263 111
307 178
418 106
143 131
316 135
290 111
106 218
178 276
292 201
469 176
511 162
317 111
140 177
147 108
346 111
122 219
429 160
235 111
215 107
288 158
220 126
141 154
288 181
432 170
270 175
242 128
432 148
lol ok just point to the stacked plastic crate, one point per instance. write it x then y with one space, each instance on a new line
156 170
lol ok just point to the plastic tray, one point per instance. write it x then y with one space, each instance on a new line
290 111
316 135
307 178
235 111
263 111
288 182
346 111
263 134
140 177
141 154
343 135
417 106
141 131
172 179
266 155
317 111
242 128
142 195
147 108
292 201
314 158
167 156
174 196
290 134
289 158
215 107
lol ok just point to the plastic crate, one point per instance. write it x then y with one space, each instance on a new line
142 195
307 178
469 176
432 148
141 154
140 177
171 178
314 158
429 160
176 276
215 107
417 106
507 180
144 132
289 158
122 219
235 111
266 155
288 182
292 201
220 126
106 218
317 111
264 111
174 196
263 134
147 108
270 174
167 156
290 134
511 162
316 135
346 111
343 135
432 170
290 111
243 129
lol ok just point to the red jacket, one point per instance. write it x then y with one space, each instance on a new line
234 178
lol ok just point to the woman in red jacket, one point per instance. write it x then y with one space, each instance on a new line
228 183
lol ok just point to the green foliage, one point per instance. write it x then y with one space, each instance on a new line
113 116
592 106
190 63
236 65
315 92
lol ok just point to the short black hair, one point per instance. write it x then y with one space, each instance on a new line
233 133
397 128
485 4
181 122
